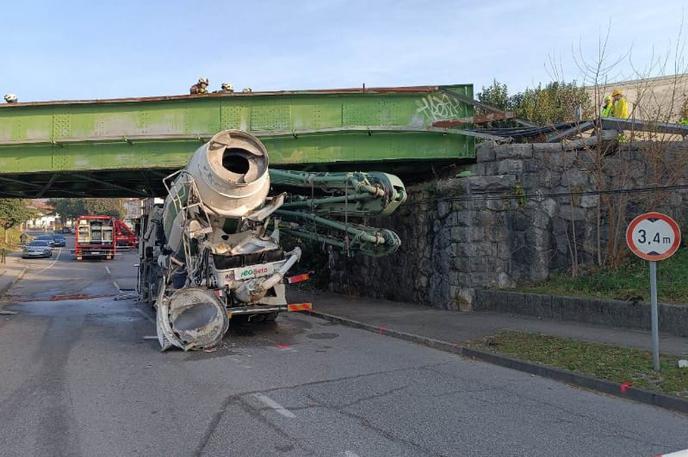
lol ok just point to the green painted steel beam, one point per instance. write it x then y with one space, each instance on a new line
298 128
123 147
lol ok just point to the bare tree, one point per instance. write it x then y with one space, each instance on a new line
609 163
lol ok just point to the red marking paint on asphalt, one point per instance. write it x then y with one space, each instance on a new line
71 297
381 329
283 346
625 386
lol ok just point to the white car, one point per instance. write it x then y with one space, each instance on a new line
37 248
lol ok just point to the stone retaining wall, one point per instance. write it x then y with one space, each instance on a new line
526 210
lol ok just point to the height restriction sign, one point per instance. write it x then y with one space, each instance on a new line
653 236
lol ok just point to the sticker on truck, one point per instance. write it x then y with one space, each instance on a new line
253 271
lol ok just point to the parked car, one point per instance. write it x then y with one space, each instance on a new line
66 230
37 248
59 241
48 238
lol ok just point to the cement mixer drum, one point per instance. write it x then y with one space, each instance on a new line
231 173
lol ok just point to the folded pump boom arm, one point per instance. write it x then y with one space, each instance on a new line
327 207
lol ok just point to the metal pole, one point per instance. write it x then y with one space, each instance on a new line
654 315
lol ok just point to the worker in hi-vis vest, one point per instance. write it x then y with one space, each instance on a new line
607 107
619 105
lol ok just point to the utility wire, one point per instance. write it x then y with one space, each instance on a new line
494 195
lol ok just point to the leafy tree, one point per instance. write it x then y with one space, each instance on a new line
105 206
555 102
68 208
71 208
495 95
13 212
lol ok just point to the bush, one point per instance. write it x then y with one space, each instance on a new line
554 103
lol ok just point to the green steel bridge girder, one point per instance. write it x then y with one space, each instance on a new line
104 140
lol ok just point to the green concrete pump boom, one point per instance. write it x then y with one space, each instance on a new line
336 202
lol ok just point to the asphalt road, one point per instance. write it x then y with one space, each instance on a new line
79 378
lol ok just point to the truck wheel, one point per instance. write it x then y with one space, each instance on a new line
270 317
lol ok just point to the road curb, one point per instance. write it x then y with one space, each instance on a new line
557 374
579 380
382 330
4 289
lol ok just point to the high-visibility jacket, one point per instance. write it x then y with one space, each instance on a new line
606 110
620 108
683 121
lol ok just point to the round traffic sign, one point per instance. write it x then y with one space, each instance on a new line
653 236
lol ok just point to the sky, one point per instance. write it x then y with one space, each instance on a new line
55 50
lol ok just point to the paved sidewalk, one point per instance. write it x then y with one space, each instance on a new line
456 327
10 270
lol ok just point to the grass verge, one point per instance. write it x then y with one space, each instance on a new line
629 282
12 237
612 363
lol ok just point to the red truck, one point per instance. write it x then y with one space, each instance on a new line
124 236
95 237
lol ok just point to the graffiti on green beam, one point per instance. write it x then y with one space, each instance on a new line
440 107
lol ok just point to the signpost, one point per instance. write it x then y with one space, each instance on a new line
653 237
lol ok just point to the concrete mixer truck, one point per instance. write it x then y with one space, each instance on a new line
212 250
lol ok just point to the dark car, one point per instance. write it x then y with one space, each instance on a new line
59 241
37 248
66 230
48 238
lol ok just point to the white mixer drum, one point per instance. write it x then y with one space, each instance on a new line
231 173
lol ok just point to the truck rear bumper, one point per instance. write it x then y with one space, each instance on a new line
239 310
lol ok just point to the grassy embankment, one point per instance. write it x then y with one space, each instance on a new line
613 363
630 282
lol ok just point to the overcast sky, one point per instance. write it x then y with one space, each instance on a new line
105 49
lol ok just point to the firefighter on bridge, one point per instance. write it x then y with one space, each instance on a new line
200 88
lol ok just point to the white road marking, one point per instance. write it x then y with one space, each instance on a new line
274 405
114 283
52 264
350 454
145 315
683 453
108 270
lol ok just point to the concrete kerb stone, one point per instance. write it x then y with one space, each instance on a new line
4 289
382 330
556 374
579 380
